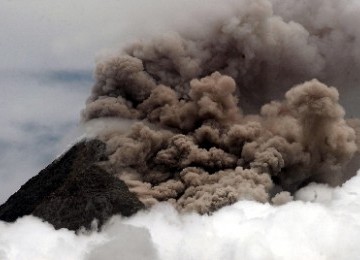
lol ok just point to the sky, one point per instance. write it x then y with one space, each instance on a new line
48 52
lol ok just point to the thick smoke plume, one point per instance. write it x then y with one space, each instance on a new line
234 113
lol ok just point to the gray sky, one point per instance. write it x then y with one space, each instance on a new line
47 52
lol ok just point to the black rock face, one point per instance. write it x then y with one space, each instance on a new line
73 191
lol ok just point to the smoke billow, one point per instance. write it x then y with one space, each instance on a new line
224 116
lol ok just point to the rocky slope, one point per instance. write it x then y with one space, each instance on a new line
73 191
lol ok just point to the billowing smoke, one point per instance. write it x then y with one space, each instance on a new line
234 112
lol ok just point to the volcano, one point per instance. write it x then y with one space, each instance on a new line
73 191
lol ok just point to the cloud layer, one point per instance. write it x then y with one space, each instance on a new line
324 227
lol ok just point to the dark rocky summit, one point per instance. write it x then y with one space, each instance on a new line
73 191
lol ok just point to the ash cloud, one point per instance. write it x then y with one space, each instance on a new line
235 113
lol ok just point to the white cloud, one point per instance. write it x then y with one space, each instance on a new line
245 230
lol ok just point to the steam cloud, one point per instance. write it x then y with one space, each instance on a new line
236 112
328 229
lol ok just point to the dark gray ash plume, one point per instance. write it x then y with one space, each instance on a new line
236 113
